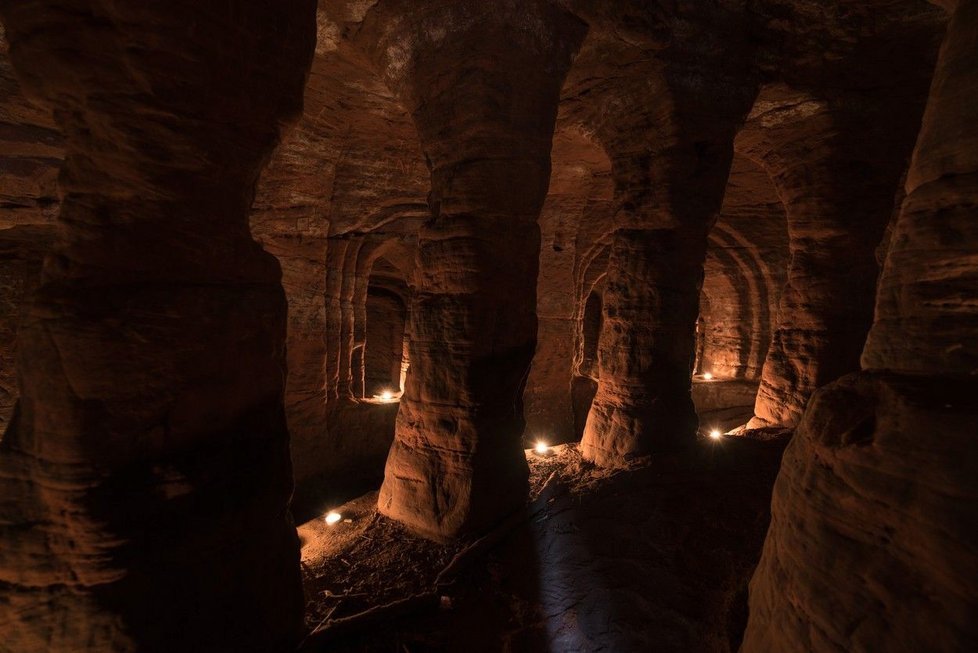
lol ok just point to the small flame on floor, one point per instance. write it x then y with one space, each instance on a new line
541 447
333 517
715 434
708 376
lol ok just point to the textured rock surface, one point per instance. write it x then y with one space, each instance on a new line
149 454
31 150
669 194
744 273
574 216
746 263
723 405
871 541
347 184
836 142
21 251
926 315
411 199
871 545
486 126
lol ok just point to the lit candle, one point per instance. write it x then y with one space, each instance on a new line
387 395
333 517
715 434
707 376
541 447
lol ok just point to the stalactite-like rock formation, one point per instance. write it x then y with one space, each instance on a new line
871 545
149 455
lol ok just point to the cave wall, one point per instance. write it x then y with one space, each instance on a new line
31 150
22 249
151 432
668 163
574 215
871 543
348 180
835 138
383 343
744 274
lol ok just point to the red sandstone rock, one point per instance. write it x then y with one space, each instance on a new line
348 181
418 169
835 153
149 456
21 251
871 544
486 126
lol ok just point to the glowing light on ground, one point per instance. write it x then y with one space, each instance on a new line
333 517
386 396
715 434
541 447
707 376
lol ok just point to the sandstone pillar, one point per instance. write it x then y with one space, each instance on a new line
871 544
826 305
302 260
149 455
484 97
651 296
837 171
651 301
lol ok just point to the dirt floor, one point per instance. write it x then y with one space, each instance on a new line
655 558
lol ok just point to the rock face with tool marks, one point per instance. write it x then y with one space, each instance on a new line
871 540
148 459
223 232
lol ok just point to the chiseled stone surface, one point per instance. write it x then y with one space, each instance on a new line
31 149
574 217
146 475
871 545
744 273
348 179
22 249
656 162
486 125
926 314
835 139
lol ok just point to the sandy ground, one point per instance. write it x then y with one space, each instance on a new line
655 558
